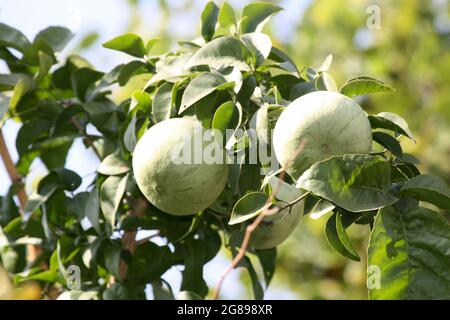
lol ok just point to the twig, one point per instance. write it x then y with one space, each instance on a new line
267 211
138 207
83 132
16 179
146 239
294 202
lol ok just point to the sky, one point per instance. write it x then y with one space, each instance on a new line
110 18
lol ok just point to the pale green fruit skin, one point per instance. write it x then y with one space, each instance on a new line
326 123
178 189
276 228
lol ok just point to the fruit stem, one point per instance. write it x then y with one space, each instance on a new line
251 227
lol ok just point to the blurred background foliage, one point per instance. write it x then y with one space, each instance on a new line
410 51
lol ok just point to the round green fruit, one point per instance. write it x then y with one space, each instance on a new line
174 186
319 125
276 228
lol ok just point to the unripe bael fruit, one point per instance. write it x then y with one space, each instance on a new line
319 125
276 228
174 186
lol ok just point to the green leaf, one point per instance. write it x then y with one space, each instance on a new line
48 276
129 137
408 169
162 290
111 193
130 70
286 84
221 52
149 263
45 63
98 108
354 182
111 77
200 87
56 37
8 208
162 102
113 165
255 15
193 272
233 77
317 207
150 44
248 207
8 81
170 69
111 254
61 78
259 45
247 88
389 142
82 79
408 250
391 121
23 86
227 17
29 133
140 100
408 158
77 203
31 54
284 61
128 43
364 85
429 188
227 116
88 40
268 260
209 20
282 190
193 226
326 64
10 37
92 209
121 291
338 239
260 123
258 291
325 82
16 229
60 178
204 109
57 179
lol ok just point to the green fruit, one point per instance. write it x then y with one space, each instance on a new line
319 125
174 187
276 228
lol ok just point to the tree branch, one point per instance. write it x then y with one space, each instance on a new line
267 211
16 179
83 132
138 207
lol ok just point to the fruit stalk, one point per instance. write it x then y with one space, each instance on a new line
267 211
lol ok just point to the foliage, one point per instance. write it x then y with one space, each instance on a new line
226 78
